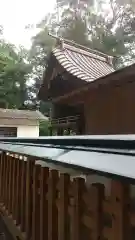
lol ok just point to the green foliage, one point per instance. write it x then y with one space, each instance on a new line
44 128
14 73
110 30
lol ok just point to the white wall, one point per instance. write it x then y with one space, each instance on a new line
25 127
27 131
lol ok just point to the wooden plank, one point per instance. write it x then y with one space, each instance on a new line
6 180
11 172
44 203
120 217
1 176
77 208
18 191
28 209
64 230
8 185
36 203
52 208
23 195
96 198
14 188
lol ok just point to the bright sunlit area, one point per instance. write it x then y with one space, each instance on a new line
19 14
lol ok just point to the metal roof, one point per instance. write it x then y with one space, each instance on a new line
106 163
83 63
21 114
118 162
118 141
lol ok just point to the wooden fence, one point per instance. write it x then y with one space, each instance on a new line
42 204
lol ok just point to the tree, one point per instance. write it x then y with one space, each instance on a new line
42 44
110 31
14 71
73 28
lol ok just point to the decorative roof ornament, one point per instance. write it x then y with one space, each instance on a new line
59 40
110 60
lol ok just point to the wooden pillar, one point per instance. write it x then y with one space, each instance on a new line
51 113
50 131
60 131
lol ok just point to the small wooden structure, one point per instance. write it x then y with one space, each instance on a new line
72 67
87 95
20 123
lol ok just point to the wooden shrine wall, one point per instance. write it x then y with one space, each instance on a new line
111 110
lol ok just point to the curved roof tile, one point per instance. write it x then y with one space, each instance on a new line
83 63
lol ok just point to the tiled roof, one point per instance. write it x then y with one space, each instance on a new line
21 114
82 62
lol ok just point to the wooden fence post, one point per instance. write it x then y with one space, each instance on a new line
77 209
11 172
52 208
29 186
6 180
18 191
120 215
64 227
23 195
14 187
44 203
96 198
36 203
1 176
9 185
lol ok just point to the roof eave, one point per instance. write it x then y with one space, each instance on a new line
114 77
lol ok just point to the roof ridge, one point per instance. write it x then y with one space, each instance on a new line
84 52
62 41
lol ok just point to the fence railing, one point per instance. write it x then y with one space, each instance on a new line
39 200
65 120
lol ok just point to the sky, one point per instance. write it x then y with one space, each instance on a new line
16 14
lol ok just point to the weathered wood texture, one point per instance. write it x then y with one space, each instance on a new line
46 204
111 110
